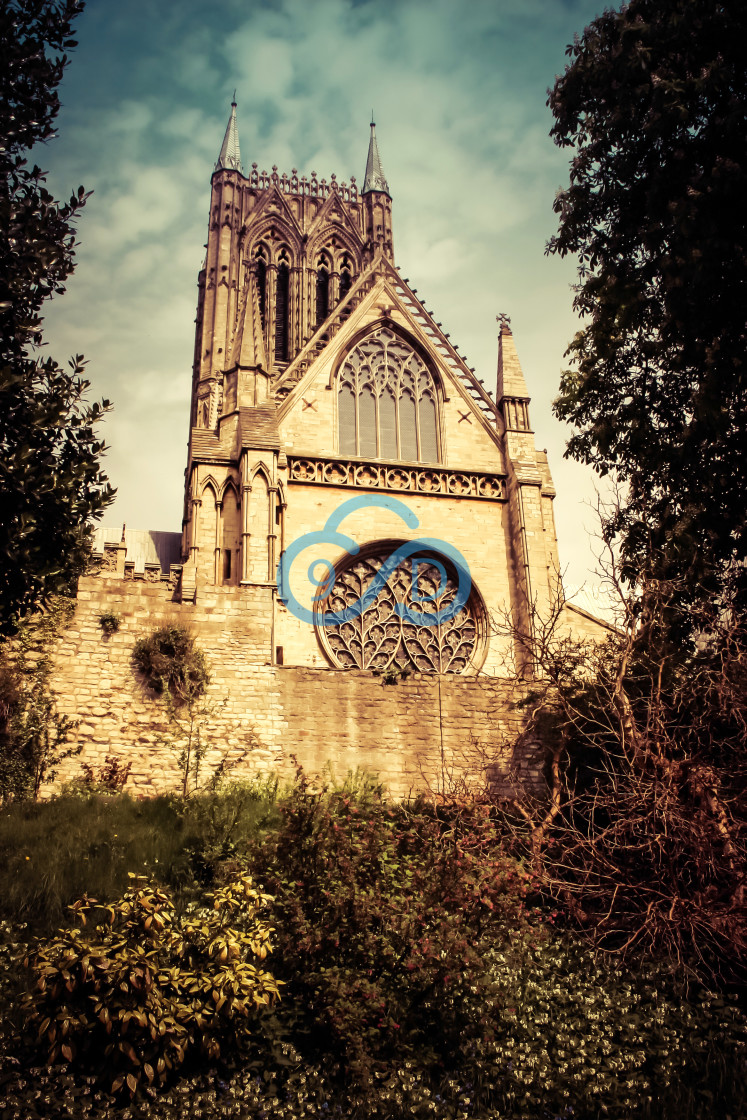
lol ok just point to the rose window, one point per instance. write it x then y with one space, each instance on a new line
407 623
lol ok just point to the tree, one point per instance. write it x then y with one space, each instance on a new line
51 481
642 841
653 101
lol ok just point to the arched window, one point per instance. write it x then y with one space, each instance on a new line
322 290
387 402
261 258
282 291
346 277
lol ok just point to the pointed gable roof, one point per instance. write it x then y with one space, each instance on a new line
374 180
382 275
249 344
230 154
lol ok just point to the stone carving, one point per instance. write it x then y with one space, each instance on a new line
304 470
387 476
380 639
336 473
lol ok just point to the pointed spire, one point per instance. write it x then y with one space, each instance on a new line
230 155
374 180
512 395
511 381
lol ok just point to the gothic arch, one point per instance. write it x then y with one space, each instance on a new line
275 236
321 241
261 468
388 399
405 335
229 484
210 484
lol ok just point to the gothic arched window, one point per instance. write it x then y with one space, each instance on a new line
282 292
346 277
322 290
261 258
387 402
393 631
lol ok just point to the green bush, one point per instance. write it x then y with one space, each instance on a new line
110 622
171 662
390 910
146 988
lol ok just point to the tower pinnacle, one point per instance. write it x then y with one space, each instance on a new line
230 155
374 180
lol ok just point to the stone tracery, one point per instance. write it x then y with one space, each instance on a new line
387 402
379 638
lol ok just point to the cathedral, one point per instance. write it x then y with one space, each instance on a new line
359 511
320 376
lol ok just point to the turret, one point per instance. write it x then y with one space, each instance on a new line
377 203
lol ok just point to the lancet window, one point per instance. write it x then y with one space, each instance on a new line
261 258
322 290
346 277
282 293
387 402
406 626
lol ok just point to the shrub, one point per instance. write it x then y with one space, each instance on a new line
146 988
390 909
108 779
171 662
109 622
34 736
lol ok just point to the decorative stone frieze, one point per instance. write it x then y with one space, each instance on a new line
362 475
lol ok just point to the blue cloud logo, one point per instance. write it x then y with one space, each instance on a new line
321 572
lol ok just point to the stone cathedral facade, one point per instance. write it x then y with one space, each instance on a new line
358 509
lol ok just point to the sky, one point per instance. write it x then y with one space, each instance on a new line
458 89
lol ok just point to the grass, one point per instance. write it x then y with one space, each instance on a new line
53 852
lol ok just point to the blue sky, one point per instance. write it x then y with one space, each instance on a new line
458 91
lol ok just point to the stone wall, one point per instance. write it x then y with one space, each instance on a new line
262 715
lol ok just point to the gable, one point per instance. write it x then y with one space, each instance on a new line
309 414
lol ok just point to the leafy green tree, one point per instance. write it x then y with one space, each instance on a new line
51 481
653 103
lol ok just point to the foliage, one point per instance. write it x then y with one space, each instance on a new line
560 1033
643 842
110 622
391 910
110 778
172 663
148 989
653 104
34 736
52 852
51 480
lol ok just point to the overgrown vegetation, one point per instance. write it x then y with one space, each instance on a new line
641 841
172 663
110 622
34 736
145 989
419 977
